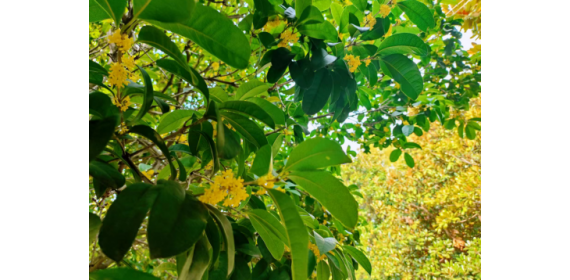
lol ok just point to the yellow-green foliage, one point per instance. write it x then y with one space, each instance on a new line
425 222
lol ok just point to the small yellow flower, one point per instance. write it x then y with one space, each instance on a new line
317 253
126 44
129 62
370 21
215 66
385 10
288 37
118 75
225 186
349 48
367 62
386 129
115 38
272 24
389 33
397 86
406 123
353 62
148 174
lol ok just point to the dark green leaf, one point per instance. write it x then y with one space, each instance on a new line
155 37
411 145
418 13
251 89
395 155
272 110
114 8
153 136
96 12
403 43
228 235
316 153
321 59
249 109
189 74
378 31
324 30
94 225
176 221
409 160
405 72
120 274
359 257
470 132
124 218
330 192
316 96
248 129
311 15
242 271
216 33
148 96
301 71
263 162
163 10
211 145
200 261
105 176
101 131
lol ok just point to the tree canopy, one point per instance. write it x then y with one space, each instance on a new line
216 128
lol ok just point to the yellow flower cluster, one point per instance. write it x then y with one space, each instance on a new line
315 250
123 104
225 186
148 174
215 66
288 37
370 21
385 10
272 24
123 42
353 62
118 75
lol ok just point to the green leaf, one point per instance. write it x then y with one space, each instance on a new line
316 96
173 120
216 33
200 261
120 274
182 170
418 13
403 43
411 145
316 153
409 160
380 29
322 5
263 162
248 129
96 12
272 110
407 130
263 7
251 89
344 19
359 257
470 132
395 155
363 98
213 232
300 6
94 225
323 271
324 30
176 221
100 132
105 176
155 37
297 236
163 10
189 74
405 72
321 59
124 218
94 67
148 96
153 136
360 4
277 142
249 109
211 145
330 192
228 235
113 8
336 11
325 244
266 39
311 15
242 271
218 94
270 230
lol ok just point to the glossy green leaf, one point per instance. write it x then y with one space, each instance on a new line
214 234
105 176
200 261
124 218
189 74
176 221
409 160
418 13
336 11
153 136
316 153
248 129
267 225
251 89
470 132
322 5
163 10
277 142
100 132
360 4
395 155
155 37
96 12
212 146
405 72
216 33
407 130
345 17
263 162
316 96
359 257
113 8
297 236
380 29
218 94
272 110
173 120
148 95
311 15
330 192
228 235
120 274
249 109
324 30
301 5
403 43
94 225
242 271
323 271
321 59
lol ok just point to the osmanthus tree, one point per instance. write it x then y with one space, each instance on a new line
423 223
201 161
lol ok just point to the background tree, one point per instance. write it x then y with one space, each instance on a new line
424 222
216 128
